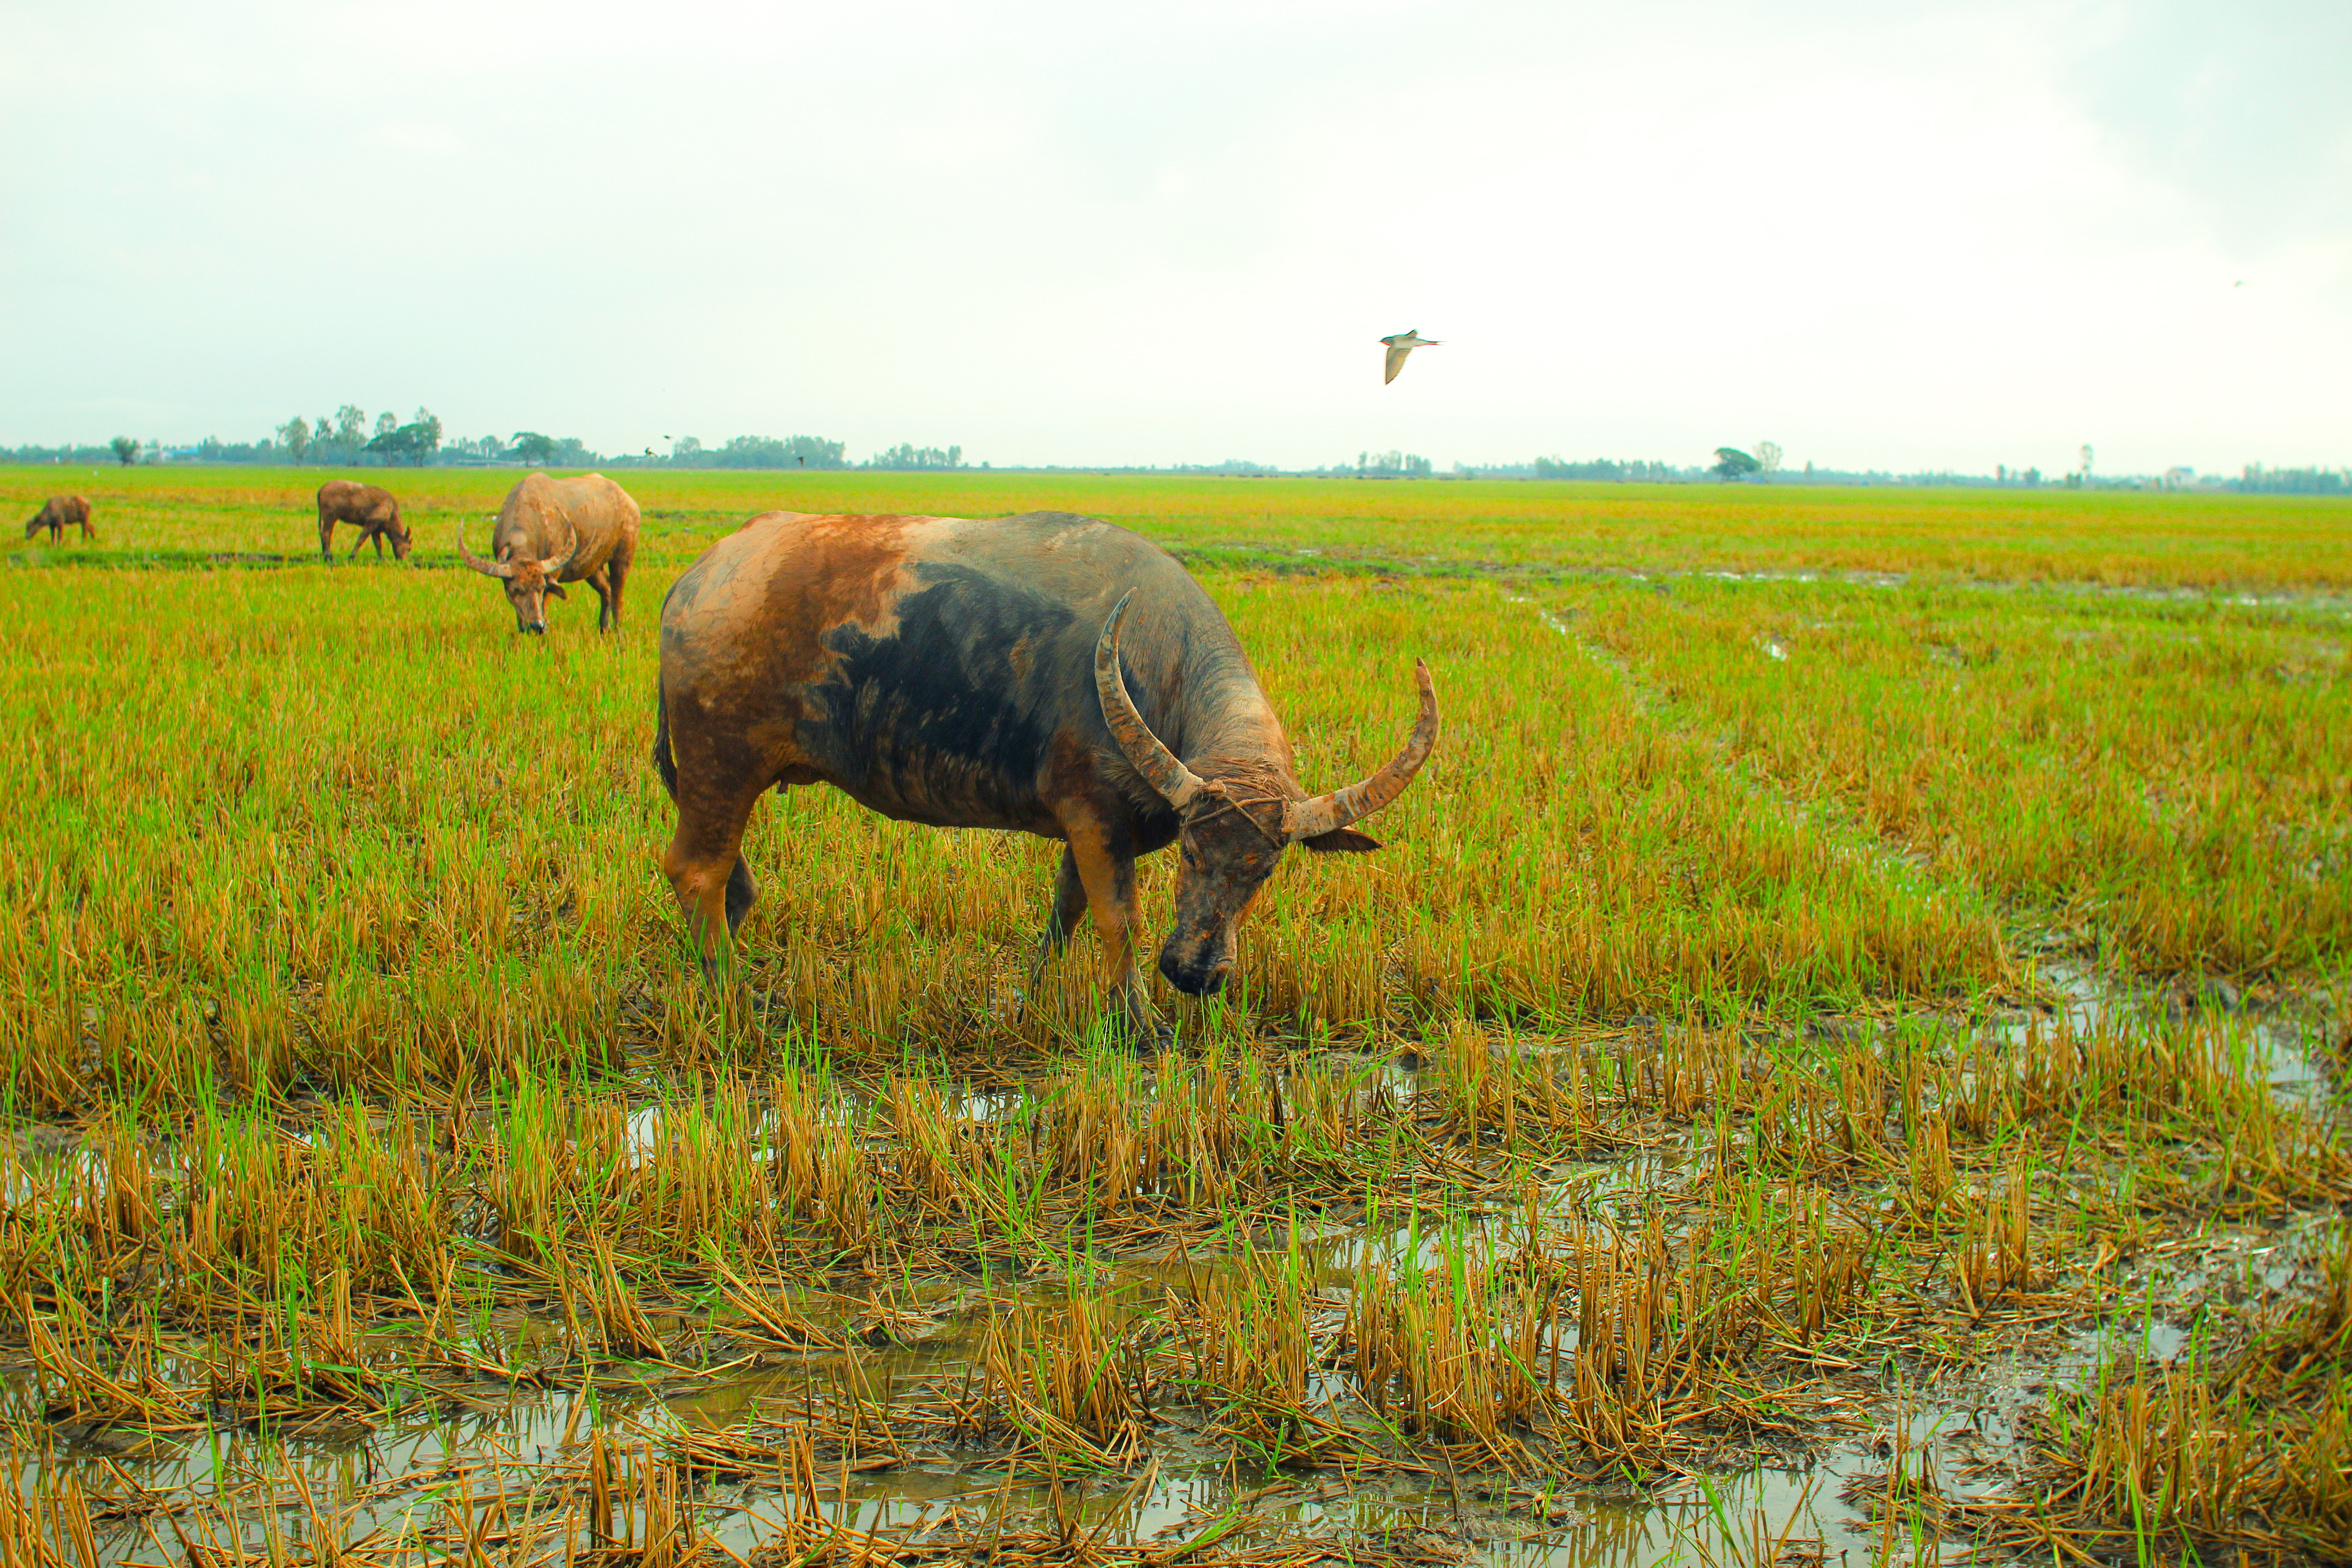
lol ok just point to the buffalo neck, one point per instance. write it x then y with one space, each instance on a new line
1230 729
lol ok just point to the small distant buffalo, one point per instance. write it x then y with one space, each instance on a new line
57 511
552 532
371 507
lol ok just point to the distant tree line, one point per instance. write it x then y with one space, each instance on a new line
1603 469
1392 465
1240 467
753 452
348 438
343 439
534 450
906 455
2294 481
797 452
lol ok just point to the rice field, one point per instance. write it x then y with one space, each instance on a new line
2113 539
1841 1056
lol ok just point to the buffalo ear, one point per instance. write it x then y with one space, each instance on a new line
555 590
1342 840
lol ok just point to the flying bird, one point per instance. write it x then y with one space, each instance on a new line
1401 344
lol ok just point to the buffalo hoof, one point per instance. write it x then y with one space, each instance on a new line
723 974
1135 1022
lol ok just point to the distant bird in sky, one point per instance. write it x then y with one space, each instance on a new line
2239 284
1401 344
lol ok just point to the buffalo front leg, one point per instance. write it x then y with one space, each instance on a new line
1069 904
709 876
603 598
327 539
1105 867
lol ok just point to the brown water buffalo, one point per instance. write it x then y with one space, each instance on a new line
57 513
1047 674
552 532
371 507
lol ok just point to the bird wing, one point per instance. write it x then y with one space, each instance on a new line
1397 353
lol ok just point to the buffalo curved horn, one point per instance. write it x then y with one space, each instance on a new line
487 568
1328 813
1154 761
555 563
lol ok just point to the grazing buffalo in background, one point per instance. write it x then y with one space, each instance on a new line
57 513
552 532
371 507
1047 673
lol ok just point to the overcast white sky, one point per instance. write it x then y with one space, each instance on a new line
1882 233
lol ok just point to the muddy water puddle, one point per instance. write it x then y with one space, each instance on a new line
1818 1482
2286 1036
400 1479
443 1444
440 1443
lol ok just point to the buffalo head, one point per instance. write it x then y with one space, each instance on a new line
528 582
1231 833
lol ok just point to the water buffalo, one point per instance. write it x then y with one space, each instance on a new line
1046 673
57 513
552 532
371 507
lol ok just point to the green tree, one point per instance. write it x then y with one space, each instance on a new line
531 447
126 449
1731 463
1562 468
351 426
295 437
1768 455
386 423
767 452
411 443
907 455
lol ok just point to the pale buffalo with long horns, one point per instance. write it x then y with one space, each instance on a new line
553 532
1047 673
